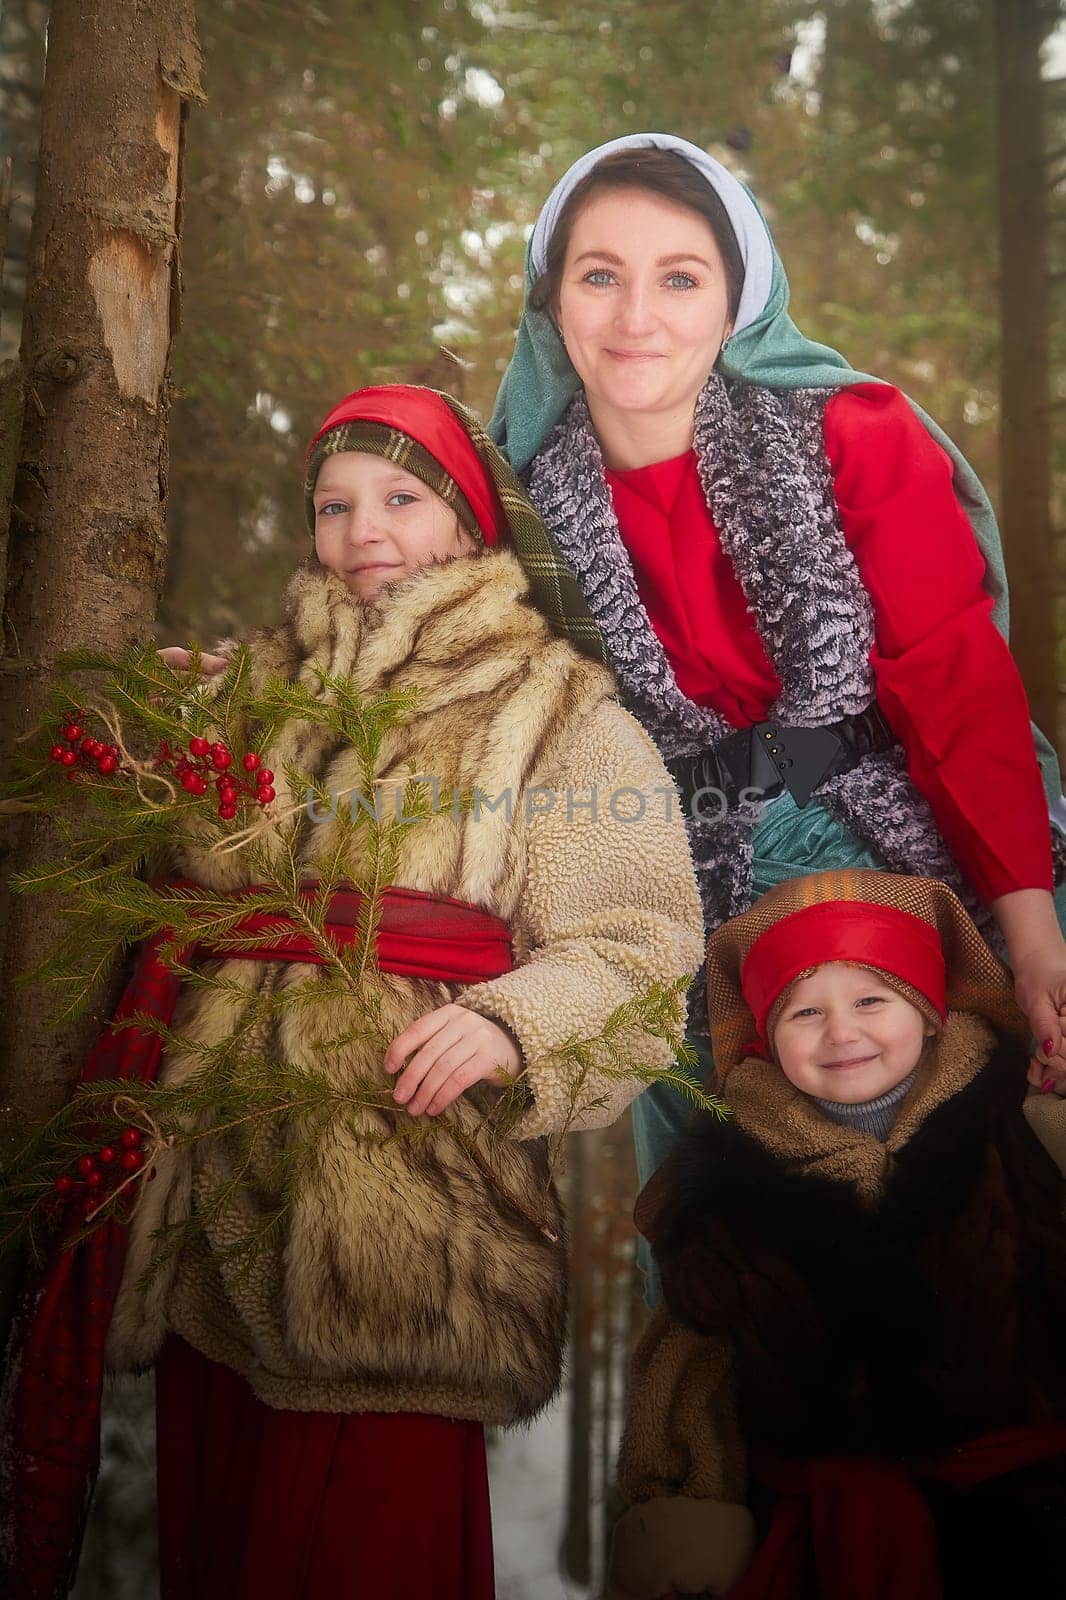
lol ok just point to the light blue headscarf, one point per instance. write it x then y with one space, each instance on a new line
765 347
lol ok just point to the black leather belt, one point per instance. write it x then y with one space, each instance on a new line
762 761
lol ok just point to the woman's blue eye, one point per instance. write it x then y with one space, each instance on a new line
599 277
681 280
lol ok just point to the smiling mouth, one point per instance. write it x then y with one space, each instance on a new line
634 355
850 1061
374 566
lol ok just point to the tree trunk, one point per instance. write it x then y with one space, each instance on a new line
87 543
23 25
1021 27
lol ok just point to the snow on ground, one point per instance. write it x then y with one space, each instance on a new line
527 1483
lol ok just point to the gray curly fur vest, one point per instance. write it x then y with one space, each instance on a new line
764 471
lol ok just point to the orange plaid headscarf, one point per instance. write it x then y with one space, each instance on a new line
932 926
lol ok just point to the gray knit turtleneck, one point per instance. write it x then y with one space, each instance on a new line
869 1116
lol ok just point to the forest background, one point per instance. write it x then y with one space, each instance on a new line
359 185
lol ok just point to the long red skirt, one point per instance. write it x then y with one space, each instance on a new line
258 1504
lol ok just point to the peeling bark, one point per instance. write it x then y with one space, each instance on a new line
88 546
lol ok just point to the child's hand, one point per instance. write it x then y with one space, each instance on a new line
449 1049
180 660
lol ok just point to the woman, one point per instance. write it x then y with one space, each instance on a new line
321 1414
772 552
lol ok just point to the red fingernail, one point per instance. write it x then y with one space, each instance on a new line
1047 1085
1049 1045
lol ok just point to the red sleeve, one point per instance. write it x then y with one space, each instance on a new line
945 678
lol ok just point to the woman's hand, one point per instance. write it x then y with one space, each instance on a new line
180 660
1037 955
1047 1070
449 1049
1040 989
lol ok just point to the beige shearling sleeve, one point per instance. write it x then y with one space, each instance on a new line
609 907
682 1467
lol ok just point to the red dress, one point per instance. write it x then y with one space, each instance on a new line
944 675
261 1504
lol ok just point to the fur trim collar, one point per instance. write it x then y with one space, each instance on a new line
762 463
448 630
329 622
789 1124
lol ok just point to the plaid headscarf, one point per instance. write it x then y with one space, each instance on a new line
473 477
973 978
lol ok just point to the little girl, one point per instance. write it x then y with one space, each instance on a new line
320 1417
855 1387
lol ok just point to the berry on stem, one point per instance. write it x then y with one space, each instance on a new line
130 1138
199 746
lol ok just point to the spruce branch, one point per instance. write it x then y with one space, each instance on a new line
117 832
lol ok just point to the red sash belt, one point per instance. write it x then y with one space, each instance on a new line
50 1414
418 935
866 1520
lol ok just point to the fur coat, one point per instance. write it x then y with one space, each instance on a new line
827 1293
406 1281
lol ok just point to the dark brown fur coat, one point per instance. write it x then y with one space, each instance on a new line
908 1319
829 1293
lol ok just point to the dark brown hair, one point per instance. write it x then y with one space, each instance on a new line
662 172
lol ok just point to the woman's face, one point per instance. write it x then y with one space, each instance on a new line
375 523
643 305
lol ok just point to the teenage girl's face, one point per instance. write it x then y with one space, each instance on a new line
643 305
846 1036
376 523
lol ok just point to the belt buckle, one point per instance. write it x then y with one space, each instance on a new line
800 757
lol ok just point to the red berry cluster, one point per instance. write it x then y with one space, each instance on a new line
80 750
90 1185
212 763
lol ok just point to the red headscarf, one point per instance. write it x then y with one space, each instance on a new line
880 936
426 417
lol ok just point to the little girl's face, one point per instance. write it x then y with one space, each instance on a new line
846 1036
375 523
